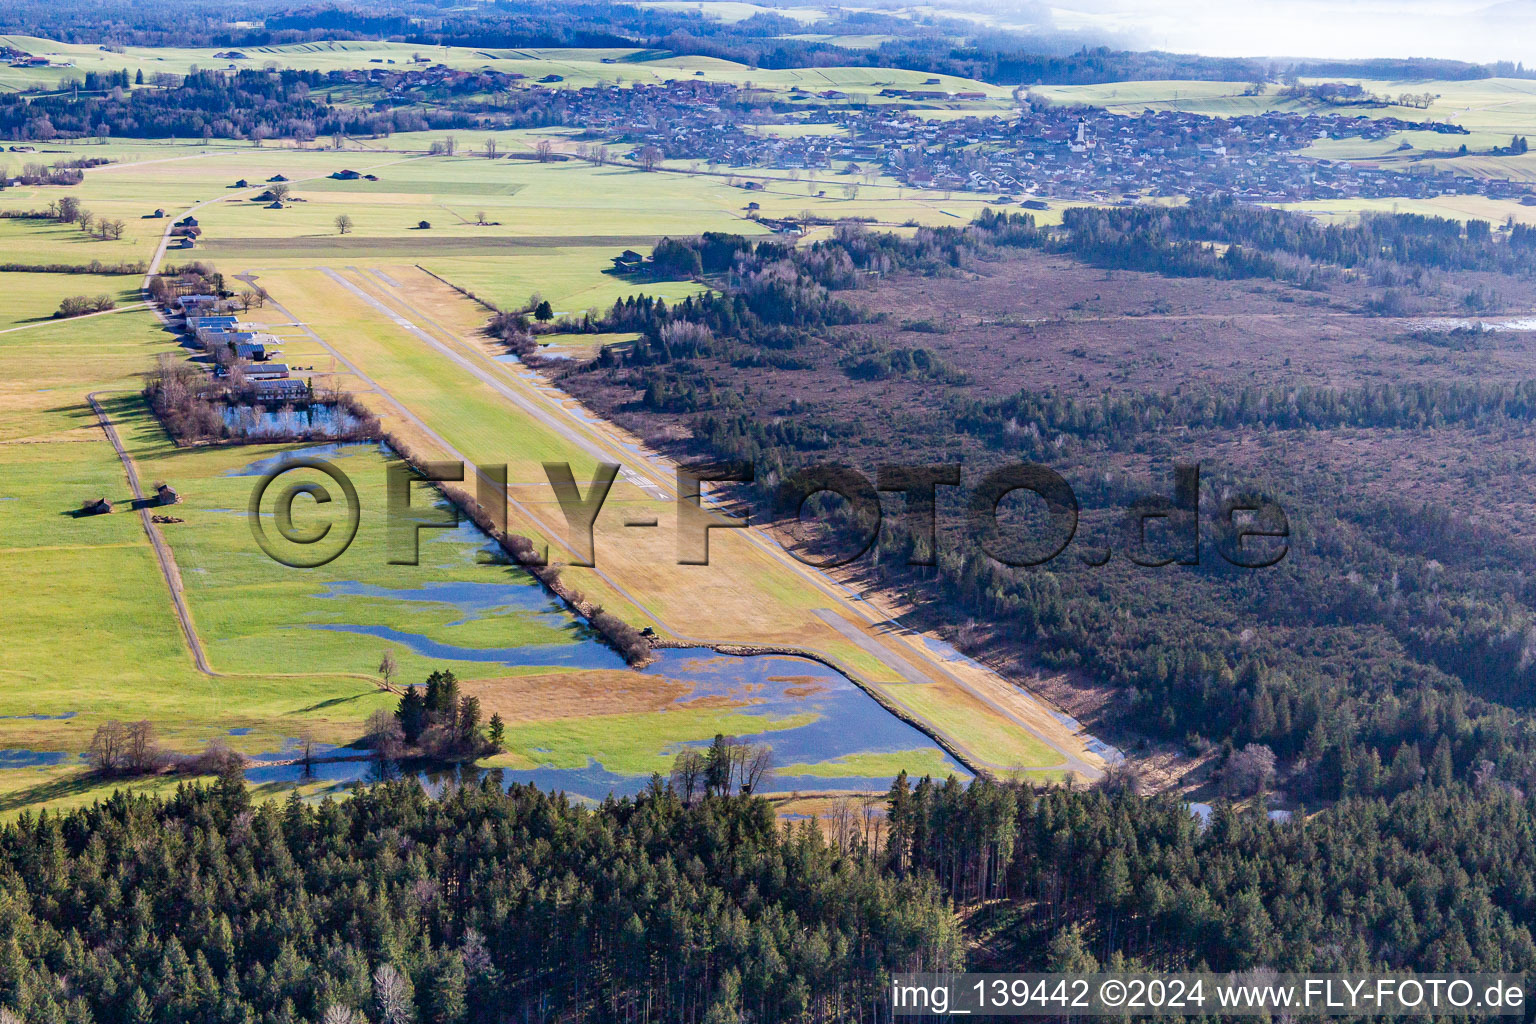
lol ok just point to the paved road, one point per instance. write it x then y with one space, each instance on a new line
845 617
162 550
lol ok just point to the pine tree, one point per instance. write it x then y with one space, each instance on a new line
412 713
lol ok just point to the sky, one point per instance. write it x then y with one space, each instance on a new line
1470 30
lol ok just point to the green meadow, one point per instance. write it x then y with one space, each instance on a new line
576 67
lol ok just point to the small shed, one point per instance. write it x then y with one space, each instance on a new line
165 494
97 507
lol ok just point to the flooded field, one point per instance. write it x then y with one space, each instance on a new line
490 621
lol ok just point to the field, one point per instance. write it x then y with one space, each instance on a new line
393 310
295 652
576 67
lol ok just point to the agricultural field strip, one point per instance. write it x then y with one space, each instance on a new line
83 316
163 554
899 656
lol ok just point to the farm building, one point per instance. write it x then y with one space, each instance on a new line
165 494
98 507
267 371
628 261
288 388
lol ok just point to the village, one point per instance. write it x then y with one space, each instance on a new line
1045 150
1066 152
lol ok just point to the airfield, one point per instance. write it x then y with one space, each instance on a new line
292 654
393 312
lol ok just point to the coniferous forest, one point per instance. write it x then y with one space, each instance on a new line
489 905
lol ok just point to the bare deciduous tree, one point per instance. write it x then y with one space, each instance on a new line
1248 771
384 734
107 745
688 773
388 666
392 994
343 224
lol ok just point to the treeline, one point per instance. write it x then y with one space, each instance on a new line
1416 405
247 104
1438 878
482 905
1176 241
775 296
136 268
934 43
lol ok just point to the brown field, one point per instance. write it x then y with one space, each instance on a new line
557 695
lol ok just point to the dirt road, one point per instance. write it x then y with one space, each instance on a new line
162 550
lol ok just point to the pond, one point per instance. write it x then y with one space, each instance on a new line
847 722
844 725
316 420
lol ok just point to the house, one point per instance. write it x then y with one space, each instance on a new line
165 494
189 302
267 371
628 261
552 78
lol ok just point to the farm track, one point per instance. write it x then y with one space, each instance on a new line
875 637
326 245
163 553
72 319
